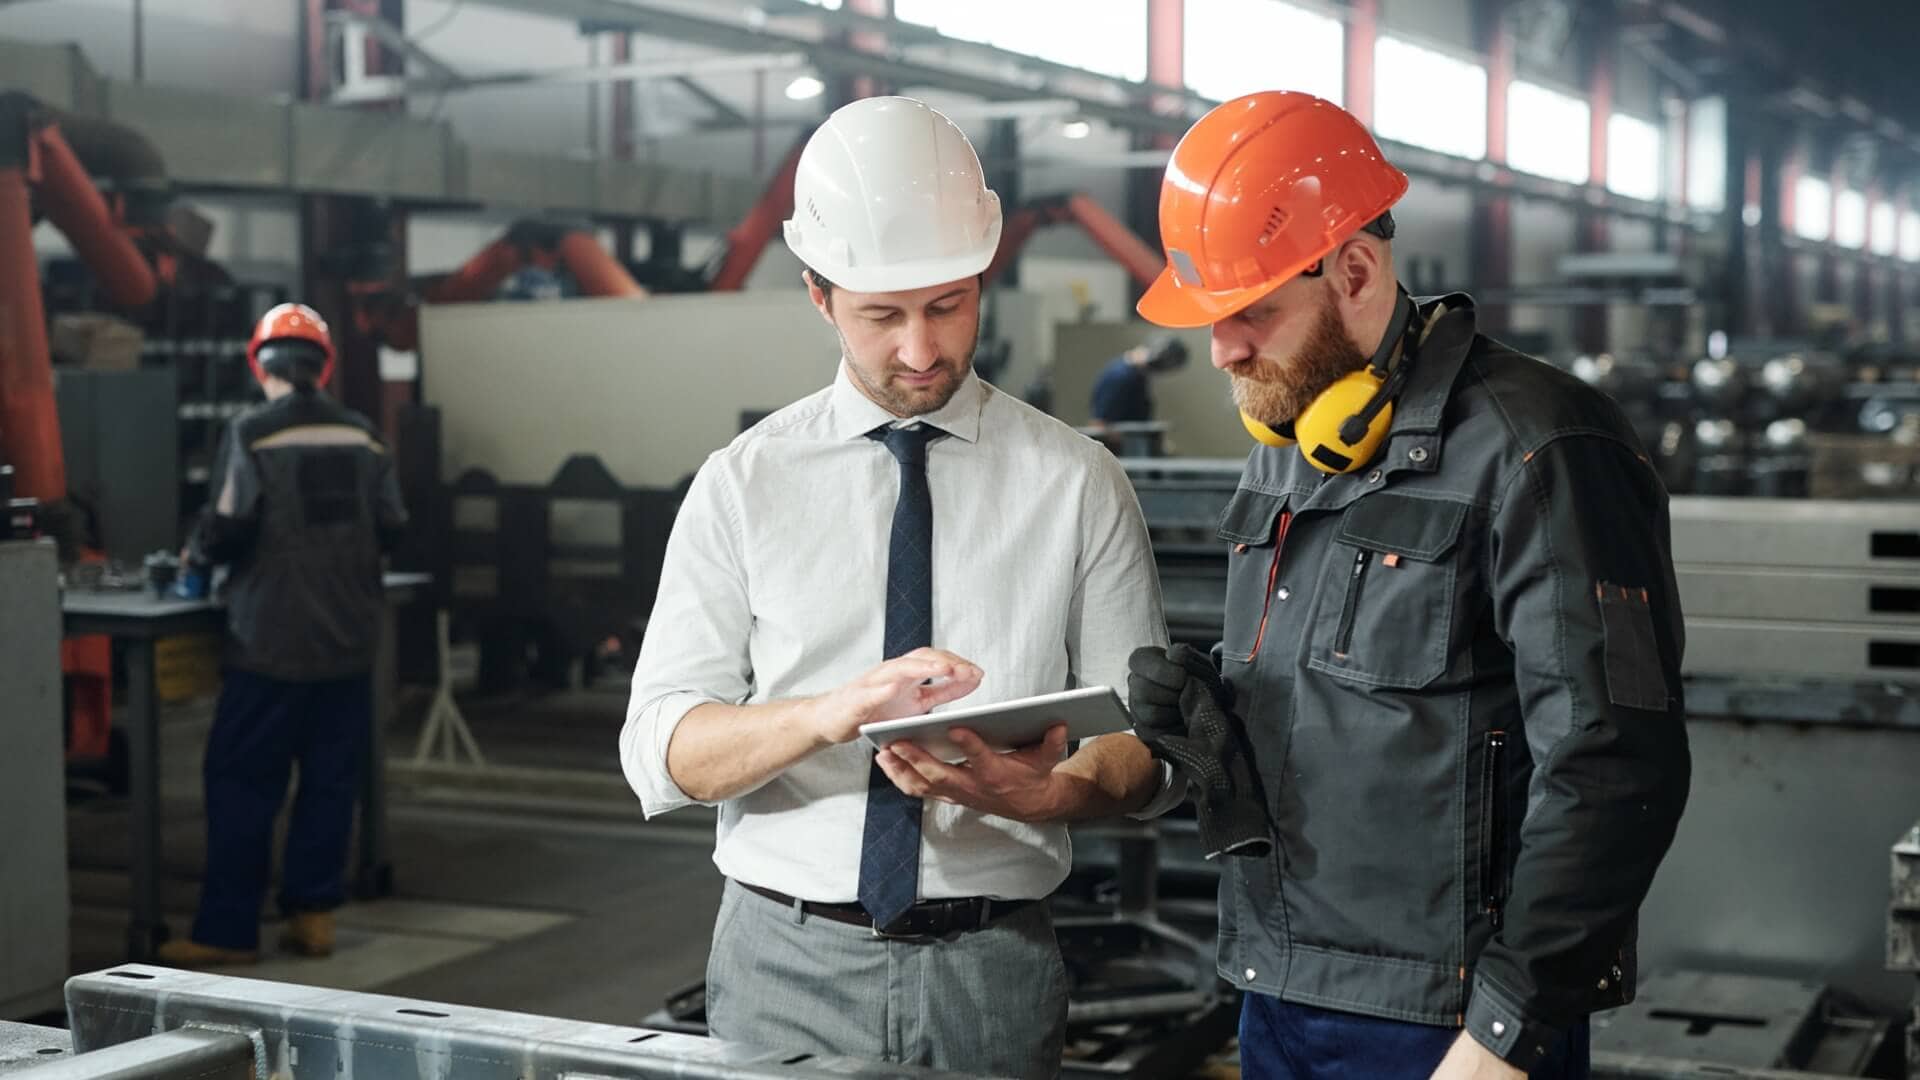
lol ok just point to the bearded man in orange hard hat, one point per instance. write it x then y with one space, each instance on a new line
1448 688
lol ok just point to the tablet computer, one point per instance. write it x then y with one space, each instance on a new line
1009 725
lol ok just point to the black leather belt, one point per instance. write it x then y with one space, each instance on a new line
927 920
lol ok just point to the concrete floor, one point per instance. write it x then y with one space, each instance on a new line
579 910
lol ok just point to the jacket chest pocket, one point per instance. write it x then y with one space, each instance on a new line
1255 524
1385 614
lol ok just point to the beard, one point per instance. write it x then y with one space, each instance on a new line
1275 392
881 382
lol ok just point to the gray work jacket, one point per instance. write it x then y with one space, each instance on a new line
305 500
1459 671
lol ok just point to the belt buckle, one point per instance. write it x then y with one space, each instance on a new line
890 933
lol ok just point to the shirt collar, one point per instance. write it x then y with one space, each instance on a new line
855 414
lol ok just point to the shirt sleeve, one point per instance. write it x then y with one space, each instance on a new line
695 649
1116 604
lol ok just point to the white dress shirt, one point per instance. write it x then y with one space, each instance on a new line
774 587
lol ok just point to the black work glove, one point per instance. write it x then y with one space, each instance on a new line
1181 711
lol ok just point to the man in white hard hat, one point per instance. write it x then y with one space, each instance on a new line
907 537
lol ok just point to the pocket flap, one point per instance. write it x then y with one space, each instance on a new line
1249 517
1412 528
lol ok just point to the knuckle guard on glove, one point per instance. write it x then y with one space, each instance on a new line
1179 707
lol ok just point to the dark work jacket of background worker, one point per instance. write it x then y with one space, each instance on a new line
1122 392
1458 668
305 500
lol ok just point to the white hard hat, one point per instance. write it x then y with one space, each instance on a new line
889 196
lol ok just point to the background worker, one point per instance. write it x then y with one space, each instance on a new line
305 501
1452 637
1122 393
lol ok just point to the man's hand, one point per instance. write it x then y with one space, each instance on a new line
1468 1060
1021 785
896 689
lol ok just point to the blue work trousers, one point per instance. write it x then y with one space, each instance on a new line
261 728
1280 1040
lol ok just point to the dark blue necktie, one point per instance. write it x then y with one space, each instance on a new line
890 845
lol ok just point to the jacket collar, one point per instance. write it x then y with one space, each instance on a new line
1444 345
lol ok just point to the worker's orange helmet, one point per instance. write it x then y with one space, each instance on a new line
297 322
1258 190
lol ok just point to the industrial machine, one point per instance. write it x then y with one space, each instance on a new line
33 861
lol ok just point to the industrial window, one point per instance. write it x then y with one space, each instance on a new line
1548 133
1883 234
1229 49
1634 157
1850 219
1812 208
1105 36
1707 154
1910 235
1428 98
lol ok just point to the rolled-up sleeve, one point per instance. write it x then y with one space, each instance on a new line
695 649
1116 601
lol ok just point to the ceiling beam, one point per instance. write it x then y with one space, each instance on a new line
1024 77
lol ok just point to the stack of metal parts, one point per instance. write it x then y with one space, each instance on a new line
1697 1024
1775 420
1903 932
148 1023
1777 589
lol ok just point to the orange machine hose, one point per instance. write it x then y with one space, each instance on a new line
29 420
597 272
74 205
480 277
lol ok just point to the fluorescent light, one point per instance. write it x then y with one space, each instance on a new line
1910 236
805 87
1076 129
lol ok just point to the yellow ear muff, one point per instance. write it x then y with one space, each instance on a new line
1319 427
1262 433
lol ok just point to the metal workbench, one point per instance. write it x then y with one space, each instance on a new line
138 619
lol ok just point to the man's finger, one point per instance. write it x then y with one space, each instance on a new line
969 743
903 775
1151 663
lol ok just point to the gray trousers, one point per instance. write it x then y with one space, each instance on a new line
992 1002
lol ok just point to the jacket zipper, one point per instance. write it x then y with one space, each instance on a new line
1273 575
1493 835
1343 638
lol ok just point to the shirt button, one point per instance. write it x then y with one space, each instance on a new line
1282 593
1499 1028
1250 974
1417 455
1603 984
1374 477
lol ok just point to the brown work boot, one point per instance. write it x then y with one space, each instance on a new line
308 933
187 953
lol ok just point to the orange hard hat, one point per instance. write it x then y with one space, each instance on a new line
1258 190
296 322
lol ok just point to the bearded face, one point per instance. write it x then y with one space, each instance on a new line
1275 387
